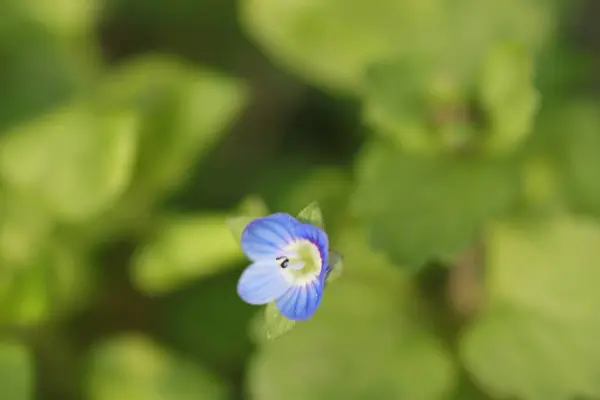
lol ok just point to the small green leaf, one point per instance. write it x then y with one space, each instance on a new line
76 160
538 337
312 214
135 367
186 247
16 372
336 263
271 324
422 208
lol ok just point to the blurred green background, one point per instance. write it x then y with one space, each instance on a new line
453 146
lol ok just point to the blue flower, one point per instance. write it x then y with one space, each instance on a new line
289 265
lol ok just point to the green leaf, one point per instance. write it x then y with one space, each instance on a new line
537 338
336 262
508 96
422 208
135 367
271 324
76 160
24 228
39 71
64 17
417 102
363 322
185 110
16 372
312 214
186 247
331 42
569 137
54 281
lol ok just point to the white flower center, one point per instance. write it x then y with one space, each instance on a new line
300 262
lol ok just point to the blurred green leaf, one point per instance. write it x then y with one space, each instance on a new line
538 336
76 160
305 37
64 17
16 372
38 70
184 109
24 228
135 368
359 325
186 247
508 96
570 137
55 282
423 208
312 214
418 102
209 321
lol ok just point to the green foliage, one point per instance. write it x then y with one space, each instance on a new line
183 109
450 148
16 371
540 325
135 367
423 208
39 159
175 256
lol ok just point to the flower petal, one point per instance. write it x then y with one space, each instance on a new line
262 282
267 236
301 301
316 236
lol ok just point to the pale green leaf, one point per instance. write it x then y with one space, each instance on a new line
508 96
331 42
312 214
422 208
135 368
63 17
538 336
76 160
359 325
185 247
53 281
185 110
16 372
